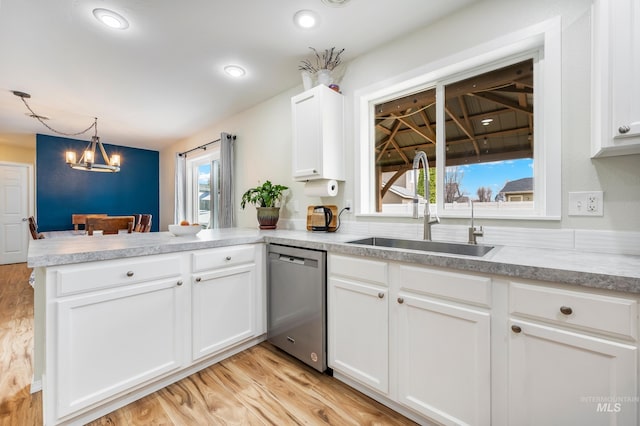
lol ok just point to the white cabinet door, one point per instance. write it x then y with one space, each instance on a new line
317 116
616 87
224 308
112 340
358 332
443 357
565 378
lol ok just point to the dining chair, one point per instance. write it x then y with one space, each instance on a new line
145 223
110 225
81 219
33 229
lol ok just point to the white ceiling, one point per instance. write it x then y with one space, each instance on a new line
161 80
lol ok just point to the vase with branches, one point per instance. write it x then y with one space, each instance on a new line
323 65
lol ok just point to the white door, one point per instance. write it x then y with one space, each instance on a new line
358 322
444 361
14 209
558 377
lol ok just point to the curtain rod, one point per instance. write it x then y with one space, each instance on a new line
204 146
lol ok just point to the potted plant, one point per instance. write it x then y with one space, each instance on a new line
265 197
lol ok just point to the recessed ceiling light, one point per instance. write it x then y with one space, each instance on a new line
111 19
335 3
234 71
305 19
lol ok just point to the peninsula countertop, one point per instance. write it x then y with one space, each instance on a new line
587 269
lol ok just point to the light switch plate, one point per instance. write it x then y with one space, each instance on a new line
586 203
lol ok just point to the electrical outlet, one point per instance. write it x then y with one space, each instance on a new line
586 203
347 204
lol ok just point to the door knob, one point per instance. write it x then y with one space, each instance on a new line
516 329
130 273
179 283
227 258
381 295
198 279
400 300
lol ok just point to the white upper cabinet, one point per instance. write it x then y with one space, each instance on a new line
615 82
318 134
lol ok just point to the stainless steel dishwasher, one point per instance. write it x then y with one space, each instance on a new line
297 303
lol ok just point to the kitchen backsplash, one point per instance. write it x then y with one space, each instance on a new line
617 242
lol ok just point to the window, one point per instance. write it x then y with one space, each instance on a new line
203 186
489 125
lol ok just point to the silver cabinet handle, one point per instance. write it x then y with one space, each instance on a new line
227 258
400 300
381 295
624 129
179 283
130 273
198 279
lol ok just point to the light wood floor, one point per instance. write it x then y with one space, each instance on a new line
260 386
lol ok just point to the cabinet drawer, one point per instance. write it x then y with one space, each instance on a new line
604 314
359 268
450 285
92 276
222 257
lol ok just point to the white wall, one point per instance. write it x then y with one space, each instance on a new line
264 131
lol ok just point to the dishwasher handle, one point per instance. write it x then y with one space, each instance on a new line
291 259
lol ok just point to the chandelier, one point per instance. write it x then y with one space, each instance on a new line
88 160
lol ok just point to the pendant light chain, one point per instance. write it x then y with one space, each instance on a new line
39 118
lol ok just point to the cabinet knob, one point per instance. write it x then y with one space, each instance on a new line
566 310
381 295
400 300
516 328
130 273
624 129
198 279
227 258
179 283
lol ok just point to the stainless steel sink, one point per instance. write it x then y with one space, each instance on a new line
435 246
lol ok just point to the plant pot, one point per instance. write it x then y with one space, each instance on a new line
268 217
324 77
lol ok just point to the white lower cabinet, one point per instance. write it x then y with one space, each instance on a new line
572 357
359 331
403 332
443 358
120 329
467 349
358 320
113 340
226 301
566 378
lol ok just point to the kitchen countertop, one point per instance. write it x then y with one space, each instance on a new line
594 270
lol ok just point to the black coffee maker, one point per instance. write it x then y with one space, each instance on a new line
321 217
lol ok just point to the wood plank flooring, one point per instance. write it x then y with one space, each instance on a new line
260 386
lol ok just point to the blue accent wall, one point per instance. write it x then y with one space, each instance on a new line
62 191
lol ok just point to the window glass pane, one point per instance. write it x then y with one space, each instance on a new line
403 127
489 139
204 199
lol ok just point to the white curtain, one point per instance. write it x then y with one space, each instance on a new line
180 212
227 212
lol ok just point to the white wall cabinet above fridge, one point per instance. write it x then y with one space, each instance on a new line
318 134
615 83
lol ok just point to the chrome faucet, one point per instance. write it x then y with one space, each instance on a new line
428 220
473 232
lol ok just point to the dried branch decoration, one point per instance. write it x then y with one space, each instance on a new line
329 60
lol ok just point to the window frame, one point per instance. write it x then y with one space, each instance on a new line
542 42
193 163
